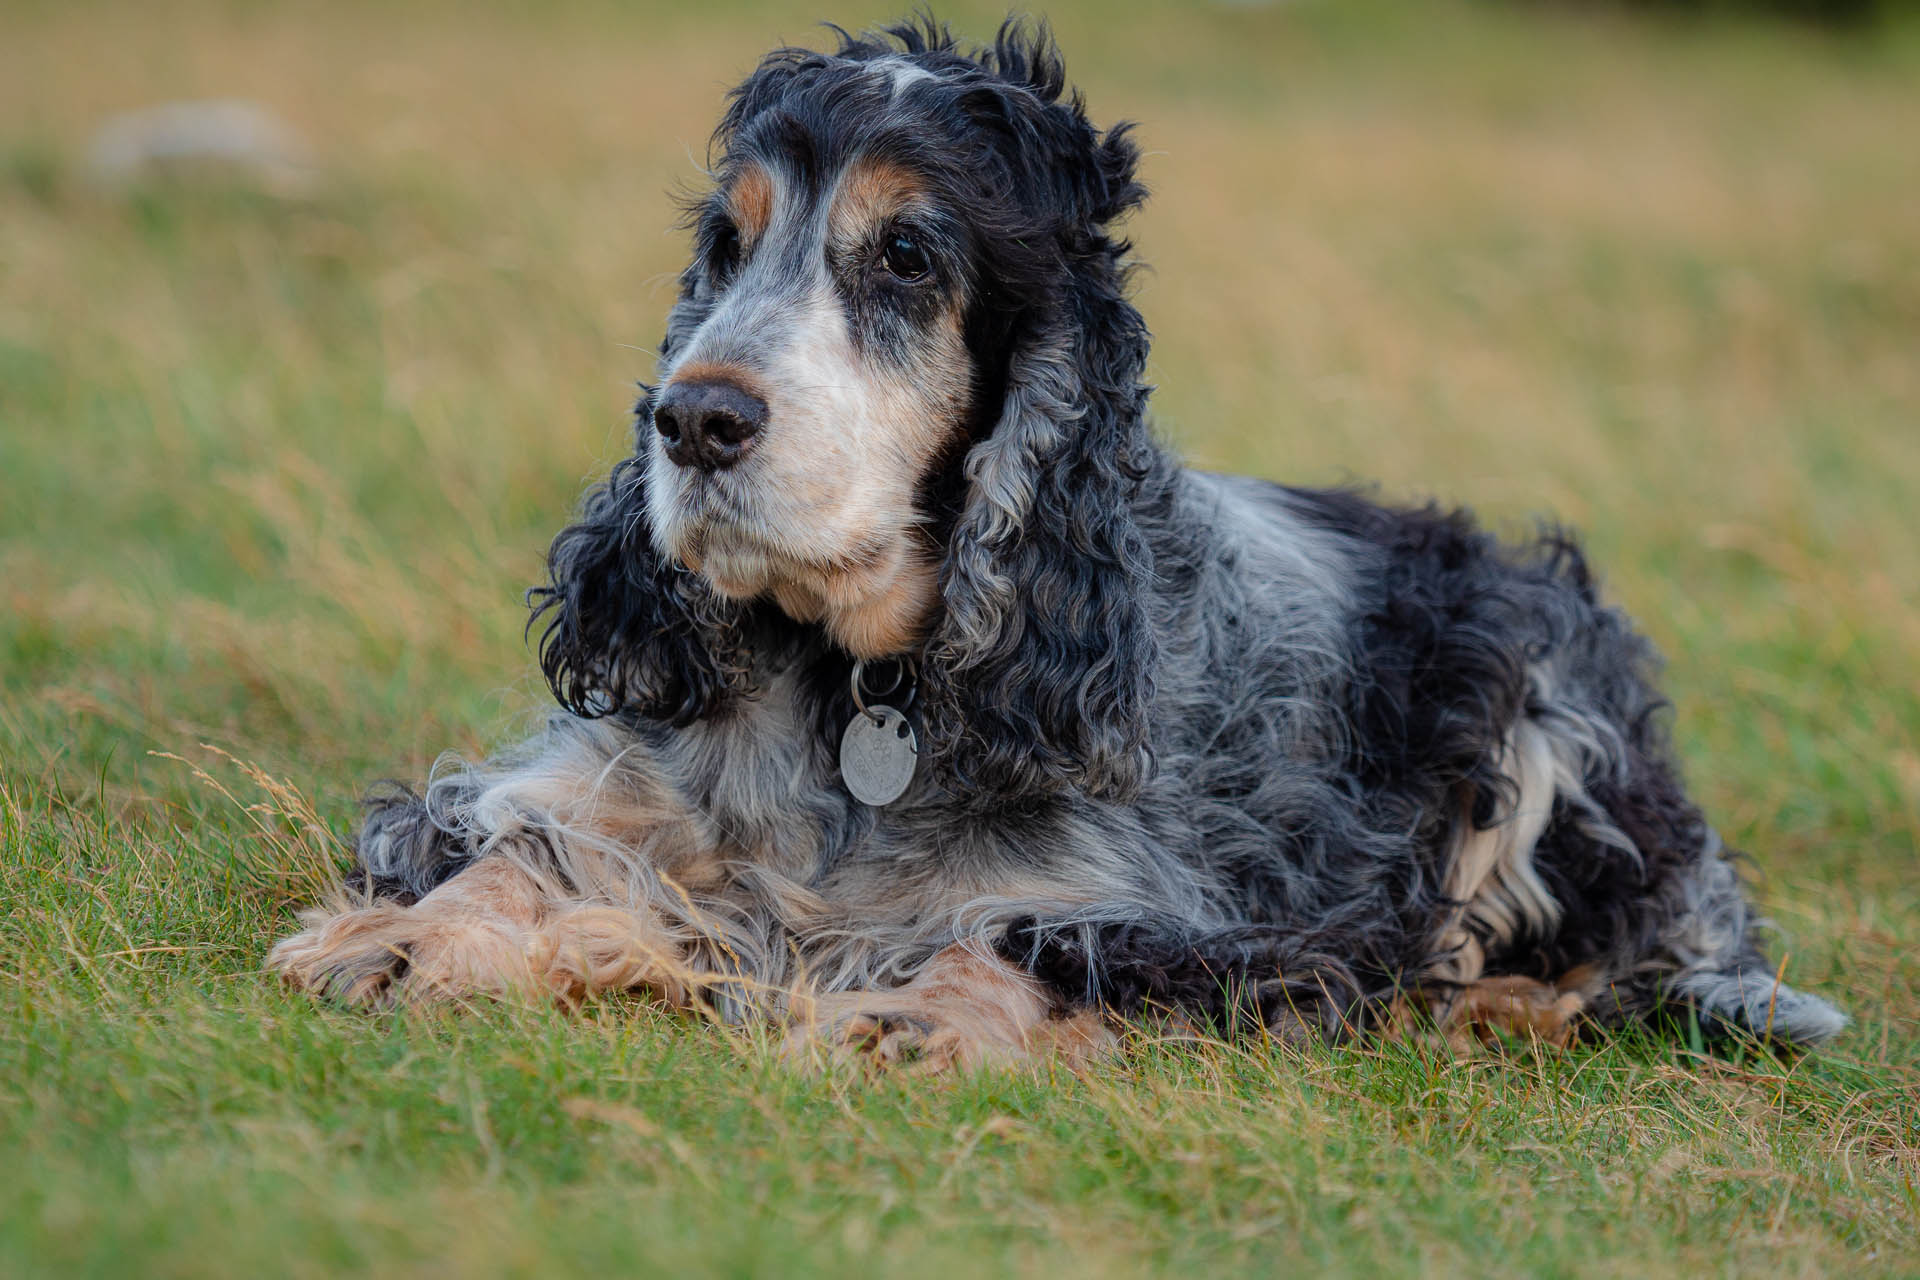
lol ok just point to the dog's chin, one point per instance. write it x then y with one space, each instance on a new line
874 599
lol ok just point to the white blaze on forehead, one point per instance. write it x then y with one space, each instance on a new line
901 72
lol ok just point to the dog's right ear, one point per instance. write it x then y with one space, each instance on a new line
625 628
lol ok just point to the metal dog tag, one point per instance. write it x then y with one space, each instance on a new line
878 754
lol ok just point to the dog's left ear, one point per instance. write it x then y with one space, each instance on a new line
627 630
1040 675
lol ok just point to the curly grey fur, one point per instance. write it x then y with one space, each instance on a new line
1192 740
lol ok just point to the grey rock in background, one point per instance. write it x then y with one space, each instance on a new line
231 137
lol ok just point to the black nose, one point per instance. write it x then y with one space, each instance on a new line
708 424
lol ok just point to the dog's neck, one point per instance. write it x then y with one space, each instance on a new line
878 610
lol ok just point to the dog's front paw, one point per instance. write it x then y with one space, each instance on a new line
864 1029
892 1031
387 954
354 957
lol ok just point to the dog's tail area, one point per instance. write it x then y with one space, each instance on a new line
1754 1002
1723 975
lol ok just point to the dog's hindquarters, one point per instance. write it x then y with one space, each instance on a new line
1596 872
1670 931
1498 766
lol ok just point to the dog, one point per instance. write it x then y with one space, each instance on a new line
912 694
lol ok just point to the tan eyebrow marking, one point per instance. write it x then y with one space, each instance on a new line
868 193
750 201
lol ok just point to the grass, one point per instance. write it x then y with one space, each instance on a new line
274 472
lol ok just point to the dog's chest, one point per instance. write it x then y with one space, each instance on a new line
767 785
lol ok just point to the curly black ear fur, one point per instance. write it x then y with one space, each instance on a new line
626 629
1040 675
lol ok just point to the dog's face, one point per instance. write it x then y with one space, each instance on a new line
818 370
899 399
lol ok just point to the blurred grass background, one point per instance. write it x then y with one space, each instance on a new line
275 470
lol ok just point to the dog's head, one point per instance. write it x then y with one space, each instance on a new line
899 398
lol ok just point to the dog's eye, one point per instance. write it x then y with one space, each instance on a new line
725 254
905 258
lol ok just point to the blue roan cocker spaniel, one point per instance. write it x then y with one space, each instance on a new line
914 695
